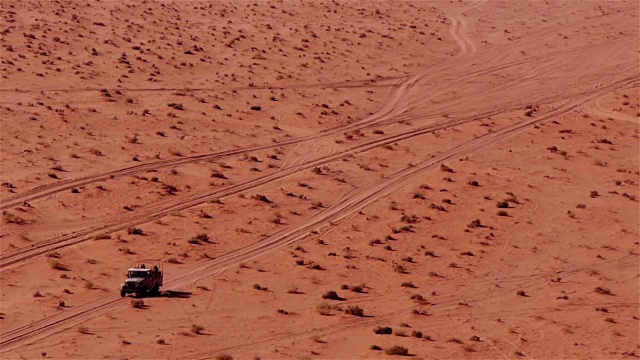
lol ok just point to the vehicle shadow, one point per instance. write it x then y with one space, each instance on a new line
175 294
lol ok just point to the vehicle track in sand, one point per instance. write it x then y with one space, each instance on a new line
594 107
407 87
351 202
158 210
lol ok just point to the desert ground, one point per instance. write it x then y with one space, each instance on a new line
322 179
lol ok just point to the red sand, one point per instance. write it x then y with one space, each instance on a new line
384 130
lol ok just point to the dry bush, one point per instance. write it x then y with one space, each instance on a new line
197 239
503 213
323 308
445 168
57 265
83 329
502 204
354 310
259 287
135 231
224 356
474 224
331 295
11 218
137 304
102 236
399 269
602 290
196 329
416 334
161 341
397 350
383 330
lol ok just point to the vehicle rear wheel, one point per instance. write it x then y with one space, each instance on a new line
155 290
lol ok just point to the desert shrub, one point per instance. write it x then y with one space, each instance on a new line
399 269
197 329
502 204
602 290
137 303
473 183
594 194
375 347
102 236
11 218
258 287
135 231
397 350
57 265
383 330
262 198
357 289
161 341
503 213
323 308
445 168
354 310
218 175
331 295
53 254
408 284
475 223
416 334
83 329
224 356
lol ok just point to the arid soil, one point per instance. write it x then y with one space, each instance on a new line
323 180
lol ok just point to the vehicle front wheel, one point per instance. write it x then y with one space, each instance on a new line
123 293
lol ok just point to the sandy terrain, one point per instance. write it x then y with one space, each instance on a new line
463 173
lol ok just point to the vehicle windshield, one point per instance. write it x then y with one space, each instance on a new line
137 274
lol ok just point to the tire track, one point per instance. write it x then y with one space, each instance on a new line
408 88
595 108
394 107
157 211
162 209
353 201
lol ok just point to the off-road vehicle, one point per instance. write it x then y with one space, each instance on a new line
144 277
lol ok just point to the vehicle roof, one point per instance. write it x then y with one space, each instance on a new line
139 269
